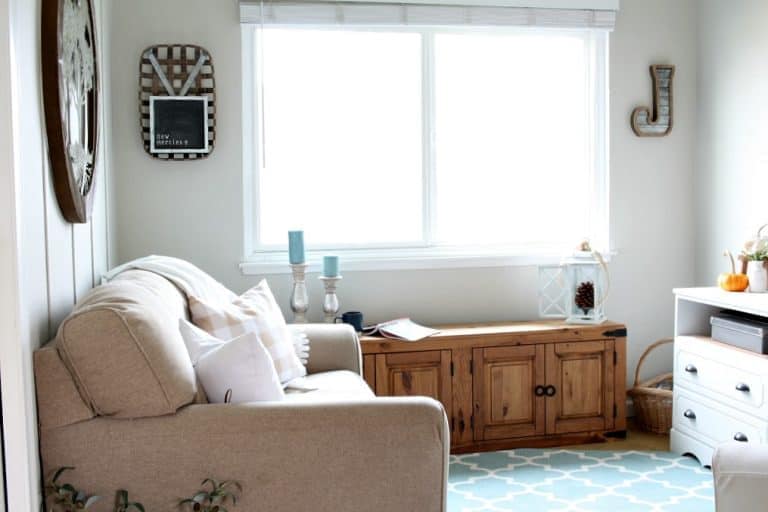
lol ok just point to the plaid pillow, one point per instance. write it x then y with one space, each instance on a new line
254 311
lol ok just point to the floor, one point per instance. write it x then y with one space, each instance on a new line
636 440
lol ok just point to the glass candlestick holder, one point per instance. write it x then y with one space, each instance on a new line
331 302
299 295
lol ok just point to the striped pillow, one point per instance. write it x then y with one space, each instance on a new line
254 311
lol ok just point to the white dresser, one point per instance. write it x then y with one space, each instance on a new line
720 390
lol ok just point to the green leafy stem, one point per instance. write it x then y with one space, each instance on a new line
65 497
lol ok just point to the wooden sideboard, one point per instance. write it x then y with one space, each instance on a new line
511 385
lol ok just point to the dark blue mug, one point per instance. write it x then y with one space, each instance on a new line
353 318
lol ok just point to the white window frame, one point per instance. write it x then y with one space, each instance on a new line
270 259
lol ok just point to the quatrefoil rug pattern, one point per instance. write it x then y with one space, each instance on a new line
578 481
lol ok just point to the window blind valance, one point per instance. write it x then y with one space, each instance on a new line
591 14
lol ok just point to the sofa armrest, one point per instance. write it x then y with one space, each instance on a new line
331 347
741 477
378 455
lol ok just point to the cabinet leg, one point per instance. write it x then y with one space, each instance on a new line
618 434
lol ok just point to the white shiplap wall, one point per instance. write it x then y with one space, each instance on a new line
52 263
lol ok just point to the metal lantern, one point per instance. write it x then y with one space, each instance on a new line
576 289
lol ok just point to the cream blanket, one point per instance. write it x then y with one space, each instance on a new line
187 277
192 281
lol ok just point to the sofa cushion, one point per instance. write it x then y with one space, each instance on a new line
241 368
197 341
124 350
254 311
334 386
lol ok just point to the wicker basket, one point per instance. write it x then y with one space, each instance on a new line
653 406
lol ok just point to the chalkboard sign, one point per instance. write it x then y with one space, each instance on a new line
178 124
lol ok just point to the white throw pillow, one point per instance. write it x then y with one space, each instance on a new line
301 346
254 311
242 365
198 341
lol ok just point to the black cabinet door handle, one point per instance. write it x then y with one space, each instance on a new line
740 437
689 414
539 390
742 387
551 390
691 368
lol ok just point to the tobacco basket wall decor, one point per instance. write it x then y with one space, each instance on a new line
177 101
657 120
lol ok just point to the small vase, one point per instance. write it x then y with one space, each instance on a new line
758 276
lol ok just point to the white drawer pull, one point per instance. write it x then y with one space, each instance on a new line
740 437
689 414
742 387
691 368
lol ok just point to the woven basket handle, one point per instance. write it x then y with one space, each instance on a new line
648 350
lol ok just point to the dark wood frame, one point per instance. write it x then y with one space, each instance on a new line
75 207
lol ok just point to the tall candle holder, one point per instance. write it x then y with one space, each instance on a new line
331 302
299 295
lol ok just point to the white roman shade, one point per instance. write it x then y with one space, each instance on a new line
585 14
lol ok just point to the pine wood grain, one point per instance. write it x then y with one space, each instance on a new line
505 402
487 375
369 370
463 400
416 374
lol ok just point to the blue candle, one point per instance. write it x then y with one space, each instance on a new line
296 247
330 266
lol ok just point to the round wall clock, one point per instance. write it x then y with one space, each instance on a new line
71 102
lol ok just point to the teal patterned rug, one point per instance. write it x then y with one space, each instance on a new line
578 481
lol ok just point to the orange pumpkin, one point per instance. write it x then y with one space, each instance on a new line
732 282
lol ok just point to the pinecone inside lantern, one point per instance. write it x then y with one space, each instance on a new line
585 296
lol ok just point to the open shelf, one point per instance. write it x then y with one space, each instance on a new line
695 306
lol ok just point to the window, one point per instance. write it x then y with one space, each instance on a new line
427 142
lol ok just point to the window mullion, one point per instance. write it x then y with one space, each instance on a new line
598 74
429 207
251 41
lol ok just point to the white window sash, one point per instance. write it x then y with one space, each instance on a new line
259 257
592 14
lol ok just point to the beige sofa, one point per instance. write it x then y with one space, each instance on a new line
118 400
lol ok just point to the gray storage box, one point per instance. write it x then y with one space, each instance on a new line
747 333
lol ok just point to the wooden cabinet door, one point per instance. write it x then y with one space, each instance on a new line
582 376
415 374
505 382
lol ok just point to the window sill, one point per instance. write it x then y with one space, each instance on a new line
261 263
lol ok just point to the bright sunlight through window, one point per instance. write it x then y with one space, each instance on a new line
438 140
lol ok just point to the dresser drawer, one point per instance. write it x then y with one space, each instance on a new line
736 384
713 422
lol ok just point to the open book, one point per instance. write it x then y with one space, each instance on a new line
403 329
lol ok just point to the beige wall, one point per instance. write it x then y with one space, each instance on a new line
194 210
732 166
48 263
